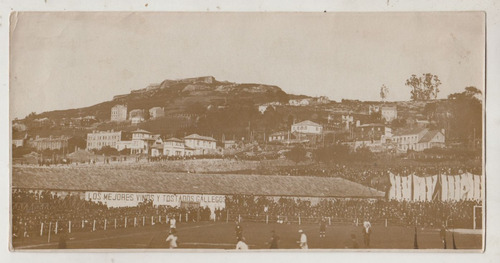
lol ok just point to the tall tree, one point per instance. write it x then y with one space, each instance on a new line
425 87
384 91
466 121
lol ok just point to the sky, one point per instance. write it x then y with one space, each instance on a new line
69 60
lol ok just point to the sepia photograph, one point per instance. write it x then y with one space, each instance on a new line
254 131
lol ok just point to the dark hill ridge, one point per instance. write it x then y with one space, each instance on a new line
176 95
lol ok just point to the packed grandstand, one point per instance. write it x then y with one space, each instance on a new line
72 198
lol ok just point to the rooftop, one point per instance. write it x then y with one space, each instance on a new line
429 136
136 180
308 123
199 137
173 139
141 131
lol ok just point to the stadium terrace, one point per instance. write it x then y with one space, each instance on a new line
107 179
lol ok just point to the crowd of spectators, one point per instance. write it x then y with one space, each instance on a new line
457 214
35 212
373 176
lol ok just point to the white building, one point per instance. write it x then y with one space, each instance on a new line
229 144
307 127
279 136
299 102
157 147
347 121
323 100
373 109
19 138
136 116
389 113
431 139
201 144
98 139
119 113
141 142
418 139
176 147
51 143
156 112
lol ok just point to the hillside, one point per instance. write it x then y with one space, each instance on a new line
176 96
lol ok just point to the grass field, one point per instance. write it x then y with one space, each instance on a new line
221 235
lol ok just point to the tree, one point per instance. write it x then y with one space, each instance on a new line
425 87
466 116
384 91
297 154
107 151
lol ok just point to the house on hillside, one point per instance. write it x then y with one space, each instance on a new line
372 132
136 116
119 113
98 139
19 139
389 113
50 143
431 139
43 123
140 143
347 121
307 127
18 126
323 100
157 147
201 144
418 139
156 112
229 144
176 147
281 136
373 109
299 102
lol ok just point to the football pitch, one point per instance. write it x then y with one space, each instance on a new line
221 235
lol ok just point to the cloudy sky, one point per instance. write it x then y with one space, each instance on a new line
69 60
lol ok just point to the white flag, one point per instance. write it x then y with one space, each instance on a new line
482 189
404 187
409 187
458 188
398 188
470 186
477 187
392 191
451 187
444 187
415 187
430 184
422 191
